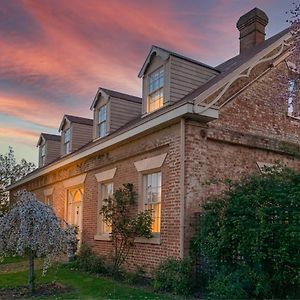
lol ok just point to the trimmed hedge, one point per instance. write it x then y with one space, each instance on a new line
250 238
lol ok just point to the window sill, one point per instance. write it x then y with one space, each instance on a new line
100 137
151 112
102 237
294 118
155 240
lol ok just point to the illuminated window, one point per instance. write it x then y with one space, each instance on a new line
155 96
152 198
293 99
106 191
49 200
102 121
67 139
43 155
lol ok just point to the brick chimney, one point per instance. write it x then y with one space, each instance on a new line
252 27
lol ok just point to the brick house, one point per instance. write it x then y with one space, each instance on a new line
194 123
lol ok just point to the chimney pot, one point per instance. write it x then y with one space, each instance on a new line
252 27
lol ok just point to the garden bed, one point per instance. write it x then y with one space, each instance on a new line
42 290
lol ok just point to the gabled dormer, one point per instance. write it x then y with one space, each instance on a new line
75 132
112 110
49 148
168 77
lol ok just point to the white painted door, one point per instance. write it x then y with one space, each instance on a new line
74 213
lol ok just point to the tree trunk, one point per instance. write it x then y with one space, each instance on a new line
31 272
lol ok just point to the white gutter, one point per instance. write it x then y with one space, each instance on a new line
178 112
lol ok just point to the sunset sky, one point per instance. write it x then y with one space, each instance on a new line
54 54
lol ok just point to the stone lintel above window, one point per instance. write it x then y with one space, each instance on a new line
150 163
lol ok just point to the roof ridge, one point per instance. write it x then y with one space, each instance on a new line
79 117
110 90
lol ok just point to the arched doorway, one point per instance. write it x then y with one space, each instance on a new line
74 208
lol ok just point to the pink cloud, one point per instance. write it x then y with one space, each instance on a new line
37 112
17 135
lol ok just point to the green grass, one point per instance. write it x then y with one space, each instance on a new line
12 259
82 285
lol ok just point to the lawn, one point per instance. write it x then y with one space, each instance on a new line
11 259
81 285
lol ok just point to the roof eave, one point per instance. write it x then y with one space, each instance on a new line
180 111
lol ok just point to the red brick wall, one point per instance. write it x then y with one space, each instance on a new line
165 140
253 127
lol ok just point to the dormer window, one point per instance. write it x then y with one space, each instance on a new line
43 155
67 139
155 96
102 116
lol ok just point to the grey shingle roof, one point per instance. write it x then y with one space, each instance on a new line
52 137
233 63
79 120
186 58
122 95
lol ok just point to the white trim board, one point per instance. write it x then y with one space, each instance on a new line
178 112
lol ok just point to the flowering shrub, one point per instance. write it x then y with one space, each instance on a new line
31 227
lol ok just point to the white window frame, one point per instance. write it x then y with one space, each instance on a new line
103 228
49 200
67 141
156 81
102 122
149 201
48 196
104 177
43 154
292 96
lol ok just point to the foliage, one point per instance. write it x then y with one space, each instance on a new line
250 236
118 211
138 276
175 276
88 261
31 227
10 172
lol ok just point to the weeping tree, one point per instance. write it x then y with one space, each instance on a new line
31 228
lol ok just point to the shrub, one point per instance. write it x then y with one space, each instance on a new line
138 276
175 276
88 261
126 226
250 236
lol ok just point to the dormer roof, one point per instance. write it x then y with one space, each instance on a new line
46 137
111 93
75 119
164 54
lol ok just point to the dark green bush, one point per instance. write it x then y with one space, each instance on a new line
136 277
88 261
250 238
174 276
